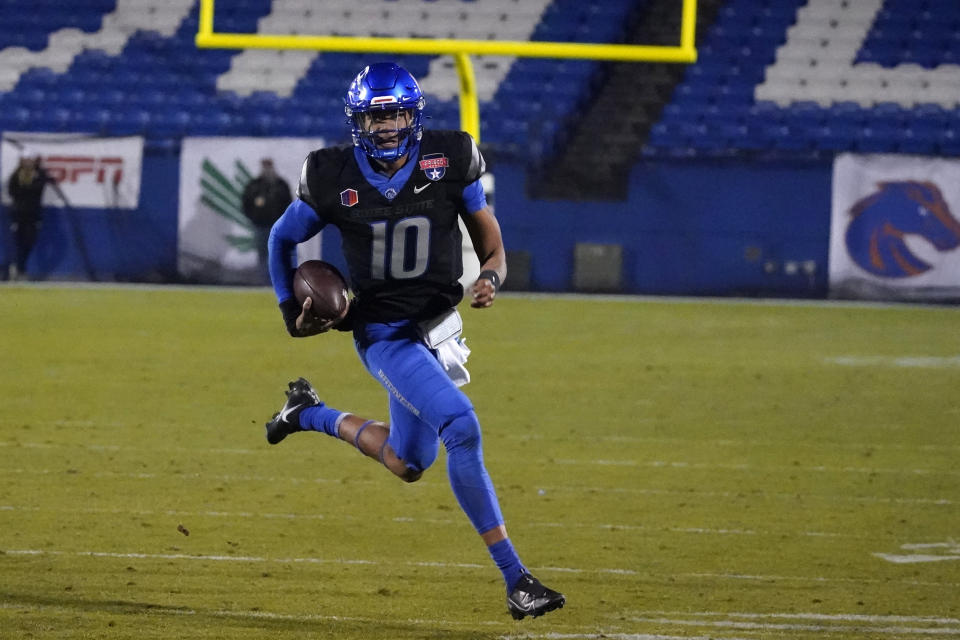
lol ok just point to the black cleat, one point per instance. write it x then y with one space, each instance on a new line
530 598
300 396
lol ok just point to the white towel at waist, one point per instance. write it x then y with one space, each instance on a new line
452 355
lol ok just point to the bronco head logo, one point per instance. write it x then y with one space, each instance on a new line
875 236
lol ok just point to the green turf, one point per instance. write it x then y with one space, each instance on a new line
676 468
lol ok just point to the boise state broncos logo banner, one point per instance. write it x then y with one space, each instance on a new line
895 229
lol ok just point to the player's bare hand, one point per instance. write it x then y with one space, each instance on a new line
309 324
483 293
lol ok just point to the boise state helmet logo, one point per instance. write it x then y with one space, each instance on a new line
881 221
434 165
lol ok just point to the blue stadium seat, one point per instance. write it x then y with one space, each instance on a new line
92 119
15 117
130 122
877 138
834 136
744 39
919 139
846 113
163 86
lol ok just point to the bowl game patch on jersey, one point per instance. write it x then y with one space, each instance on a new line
434 165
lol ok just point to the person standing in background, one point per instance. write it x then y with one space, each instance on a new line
26 187
265 198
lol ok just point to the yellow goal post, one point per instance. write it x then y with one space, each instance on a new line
461 50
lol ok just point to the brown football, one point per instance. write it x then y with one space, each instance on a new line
323 283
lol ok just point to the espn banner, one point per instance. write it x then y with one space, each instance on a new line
216 242
895 228
98 173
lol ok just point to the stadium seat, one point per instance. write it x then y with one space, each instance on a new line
154 81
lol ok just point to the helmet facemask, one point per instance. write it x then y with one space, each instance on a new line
385 134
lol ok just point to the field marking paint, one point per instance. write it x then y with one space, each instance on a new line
874 622
949 551
433 625
910 362
816 579
434 521
914 558
778 496
545 489
716 442
653 464
254 615
822 617
739 444
666 464
740 625
608 634
459 565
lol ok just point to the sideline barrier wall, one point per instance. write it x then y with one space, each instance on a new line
692 227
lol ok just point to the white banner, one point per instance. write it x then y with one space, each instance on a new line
216 242
101 173
895 229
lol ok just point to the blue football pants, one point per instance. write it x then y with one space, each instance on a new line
426 407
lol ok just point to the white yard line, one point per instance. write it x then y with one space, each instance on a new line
933 501
741 625
902 362
604 635
609 571
155 610
819 617
431 521
640 440
713 466
839 623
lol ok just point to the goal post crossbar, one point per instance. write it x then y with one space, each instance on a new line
461 50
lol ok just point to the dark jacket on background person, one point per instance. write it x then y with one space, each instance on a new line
265 199
26 191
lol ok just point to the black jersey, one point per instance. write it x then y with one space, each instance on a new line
404 253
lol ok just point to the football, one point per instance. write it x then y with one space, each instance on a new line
325 286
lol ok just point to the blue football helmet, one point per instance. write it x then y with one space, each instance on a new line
380 92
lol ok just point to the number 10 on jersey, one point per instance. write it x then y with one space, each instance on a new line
406 255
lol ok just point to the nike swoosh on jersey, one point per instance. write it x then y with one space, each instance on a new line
419 189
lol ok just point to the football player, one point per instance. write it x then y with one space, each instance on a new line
396 195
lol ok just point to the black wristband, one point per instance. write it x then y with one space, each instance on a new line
347 323
291 310
492 276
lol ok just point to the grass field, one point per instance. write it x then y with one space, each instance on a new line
676 468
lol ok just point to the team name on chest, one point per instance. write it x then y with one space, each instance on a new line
393 211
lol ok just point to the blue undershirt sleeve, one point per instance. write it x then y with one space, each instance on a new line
474 197
297 224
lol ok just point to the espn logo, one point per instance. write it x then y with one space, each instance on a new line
71 169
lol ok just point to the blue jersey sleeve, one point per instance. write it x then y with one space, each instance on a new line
297 224
474 197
